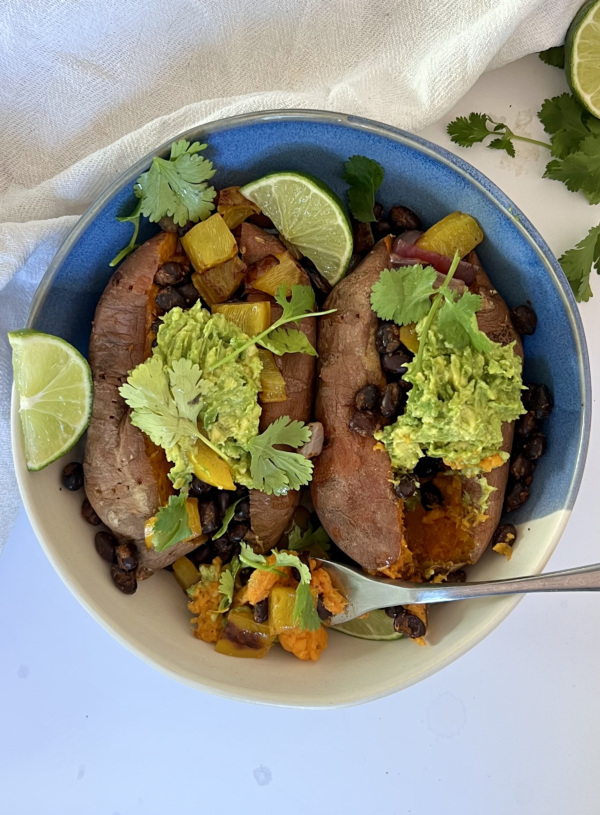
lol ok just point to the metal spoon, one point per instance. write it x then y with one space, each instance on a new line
366 593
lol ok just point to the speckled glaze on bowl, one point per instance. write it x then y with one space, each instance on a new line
154 623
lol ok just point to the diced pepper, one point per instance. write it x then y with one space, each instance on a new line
218 284
271 379
185 572
409 337
457 232
252 318
234 207
243 637
281 608
270 279
210 468
209 243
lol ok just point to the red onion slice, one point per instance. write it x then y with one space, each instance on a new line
465 271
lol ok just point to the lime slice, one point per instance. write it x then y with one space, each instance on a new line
54 383
309 215
375 626
582 56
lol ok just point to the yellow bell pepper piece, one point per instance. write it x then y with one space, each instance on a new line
281 608
288 272
194 523
210 468
209 243
409 337
457 232
186 574
251 318
218 284
243 637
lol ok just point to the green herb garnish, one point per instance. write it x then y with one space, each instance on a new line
365 176
172 525
227 518
554 56
276 471
578 262
227 584
309 540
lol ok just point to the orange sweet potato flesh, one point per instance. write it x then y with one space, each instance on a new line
351 487
270 514
125 474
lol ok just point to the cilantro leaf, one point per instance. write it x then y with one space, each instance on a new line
580 171
227 518
562 120
577 263
456 321
300 541
172 524
503 143
403 295
277 471
177 186
227 584
554 56
288 341
468 130
365 176
305 613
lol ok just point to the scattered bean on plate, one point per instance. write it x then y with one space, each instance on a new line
72 476
88 513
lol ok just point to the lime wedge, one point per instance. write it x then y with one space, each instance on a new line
582 56
375 626
54 383
309 215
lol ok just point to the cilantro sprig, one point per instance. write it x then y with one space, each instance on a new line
227 584
309 540
172 524
305 614
276 471
176 187
575 147
365 176
300 305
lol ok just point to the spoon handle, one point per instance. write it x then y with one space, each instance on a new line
584 578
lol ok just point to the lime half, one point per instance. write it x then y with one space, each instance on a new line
309 215
54 383
582 56
375 626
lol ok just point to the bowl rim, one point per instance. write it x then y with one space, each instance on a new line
473 177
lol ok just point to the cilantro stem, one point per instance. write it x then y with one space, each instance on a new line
255 340
133 218
212 447
511 135
437 302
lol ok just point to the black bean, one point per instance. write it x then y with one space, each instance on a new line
391 400
539 399
382 228
237 532
427 467
364 424
409 624
396 363
223 501
209 516
189 293
170 274
124 581
522 468
516 495
295 573
319 283
245 574
363 236
127 556
167 224
240 492
367 398
527 424
155 326
524 319
505 533
72 476
391 611
324 613
88 513
199 489
387 338
457 576
169 298
535 446
260 611
406 486
404 219
105 544
182 230
223 548
202 554
242 511
431 496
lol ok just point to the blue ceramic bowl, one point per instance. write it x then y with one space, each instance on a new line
433 182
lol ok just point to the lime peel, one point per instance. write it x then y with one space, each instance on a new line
376 625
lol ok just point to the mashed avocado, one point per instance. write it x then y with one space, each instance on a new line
228 396
456 407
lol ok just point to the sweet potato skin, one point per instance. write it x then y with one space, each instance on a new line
125 474
351 487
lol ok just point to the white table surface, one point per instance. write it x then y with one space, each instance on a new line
88 729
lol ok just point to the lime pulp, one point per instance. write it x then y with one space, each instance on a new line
375 626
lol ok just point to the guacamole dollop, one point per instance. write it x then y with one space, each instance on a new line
228 396
455 409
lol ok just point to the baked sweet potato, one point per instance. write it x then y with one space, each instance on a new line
352 483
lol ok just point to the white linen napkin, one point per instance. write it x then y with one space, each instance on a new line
88 87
